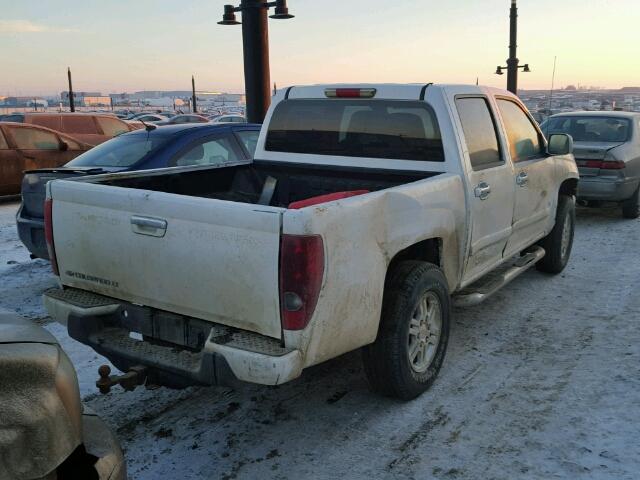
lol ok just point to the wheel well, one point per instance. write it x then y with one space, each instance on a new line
429 250
569 187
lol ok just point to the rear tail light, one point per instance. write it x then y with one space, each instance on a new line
612 165
350 92
301 272
48 234
603 164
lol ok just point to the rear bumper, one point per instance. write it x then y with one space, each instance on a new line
607 189
100 441
178 351
31 233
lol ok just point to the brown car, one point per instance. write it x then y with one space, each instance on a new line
91 128
25 147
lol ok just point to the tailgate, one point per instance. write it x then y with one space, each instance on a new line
215 260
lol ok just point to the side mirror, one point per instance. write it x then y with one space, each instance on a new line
64 146
560 144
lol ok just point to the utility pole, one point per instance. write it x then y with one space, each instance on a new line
255 43
72 104
193 94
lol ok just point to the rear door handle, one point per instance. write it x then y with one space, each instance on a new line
154 227
522 179
482 190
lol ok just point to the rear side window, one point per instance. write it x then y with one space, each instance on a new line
123 151
249 139
34 139
211 152
479 132
3 142
79 124
112 126
590 129
49 121
390 129
524 140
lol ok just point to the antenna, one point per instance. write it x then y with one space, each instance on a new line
553 79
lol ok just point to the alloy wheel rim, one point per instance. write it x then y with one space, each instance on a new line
425 328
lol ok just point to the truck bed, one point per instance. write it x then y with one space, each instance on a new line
245 183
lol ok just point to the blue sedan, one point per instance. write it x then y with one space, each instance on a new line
159 147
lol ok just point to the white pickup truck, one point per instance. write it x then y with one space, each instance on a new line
367 212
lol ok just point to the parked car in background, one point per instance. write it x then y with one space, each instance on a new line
89 128
367 212
185 118
25 147
607 151
152 118
170 146
229 119
46 433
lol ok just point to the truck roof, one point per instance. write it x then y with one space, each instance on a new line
391 91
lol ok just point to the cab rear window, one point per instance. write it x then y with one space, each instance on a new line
392 129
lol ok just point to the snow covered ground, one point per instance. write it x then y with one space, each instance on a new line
541 381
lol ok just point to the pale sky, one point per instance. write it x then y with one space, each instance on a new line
118 45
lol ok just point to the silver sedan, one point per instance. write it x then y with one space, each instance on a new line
607 151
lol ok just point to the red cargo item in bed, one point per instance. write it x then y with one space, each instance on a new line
329 197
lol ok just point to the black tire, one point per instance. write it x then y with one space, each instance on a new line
556 257
386 361
631 207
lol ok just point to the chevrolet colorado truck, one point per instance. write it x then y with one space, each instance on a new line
367 211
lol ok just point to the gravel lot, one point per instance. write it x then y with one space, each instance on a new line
541 381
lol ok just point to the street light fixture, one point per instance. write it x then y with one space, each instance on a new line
255 46
525 68
229 16
513 64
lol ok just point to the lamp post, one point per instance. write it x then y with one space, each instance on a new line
255 46
72 105
513 64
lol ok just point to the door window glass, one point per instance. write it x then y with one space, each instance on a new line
82 124
210 152
524 141
249 139
49 121
479 132
34 139
111 126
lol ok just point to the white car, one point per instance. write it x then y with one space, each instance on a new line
229 118
367 212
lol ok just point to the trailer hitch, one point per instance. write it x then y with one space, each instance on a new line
129 381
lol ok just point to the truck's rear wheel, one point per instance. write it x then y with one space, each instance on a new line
405 359
558 243
631 207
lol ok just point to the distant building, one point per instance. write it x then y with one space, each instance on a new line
23 102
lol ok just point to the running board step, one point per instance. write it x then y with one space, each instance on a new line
486 286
